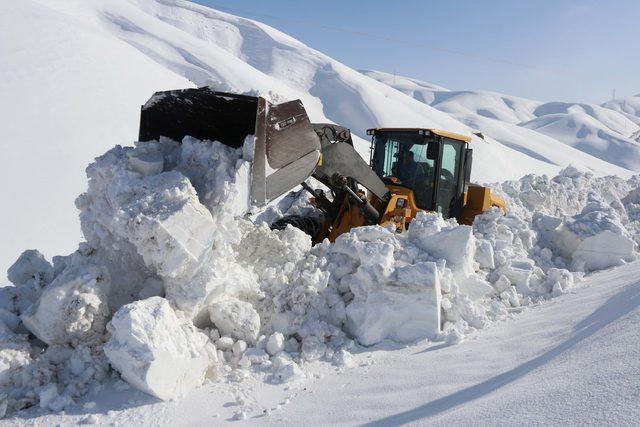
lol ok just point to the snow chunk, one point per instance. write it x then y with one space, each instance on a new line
156 352
73 308
594 239
275 344
30 265
455 244
236 318
403 310
169 227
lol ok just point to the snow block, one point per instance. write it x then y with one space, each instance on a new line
457 244
73 308
167 224
156 352
236 318
403 310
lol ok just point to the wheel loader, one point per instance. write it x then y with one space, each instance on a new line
409 170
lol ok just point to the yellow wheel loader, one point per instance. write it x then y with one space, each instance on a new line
410 169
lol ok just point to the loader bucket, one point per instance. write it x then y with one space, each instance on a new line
286 149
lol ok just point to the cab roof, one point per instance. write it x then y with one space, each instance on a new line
438 132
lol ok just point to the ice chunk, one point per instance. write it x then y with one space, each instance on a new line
484 254
157 352
239 347
30 274
73 308
224 343
475 287
455 244
313 348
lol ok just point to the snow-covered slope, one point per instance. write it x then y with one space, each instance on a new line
69 91
603 134
630 107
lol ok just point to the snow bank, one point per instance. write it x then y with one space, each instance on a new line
156 351
174 279
594 239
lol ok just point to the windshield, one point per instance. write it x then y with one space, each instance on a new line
403 155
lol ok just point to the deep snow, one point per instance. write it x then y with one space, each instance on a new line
174 275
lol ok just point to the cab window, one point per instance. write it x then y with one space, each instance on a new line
403 155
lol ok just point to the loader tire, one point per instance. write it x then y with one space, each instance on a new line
311 226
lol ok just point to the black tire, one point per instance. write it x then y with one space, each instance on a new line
311 226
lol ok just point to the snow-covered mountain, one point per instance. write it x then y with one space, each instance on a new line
603 133
75 72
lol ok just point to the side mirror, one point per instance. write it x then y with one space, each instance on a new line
433 149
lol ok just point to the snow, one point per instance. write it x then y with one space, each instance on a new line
80 71
235 318
265 302
275 344
156 352
71 309
594 239
404 312
591 137
544 366
182 292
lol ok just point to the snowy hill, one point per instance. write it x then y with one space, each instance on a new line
602 132
630 107
80 70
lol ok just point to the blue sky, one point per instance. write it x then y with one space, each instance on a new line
544 50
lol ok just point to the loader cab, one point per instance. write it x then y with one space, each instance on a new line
434 164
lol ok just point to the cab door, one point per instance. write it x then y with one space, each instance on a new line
449 199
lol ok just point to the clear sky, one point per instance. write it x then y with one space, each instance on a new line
545 50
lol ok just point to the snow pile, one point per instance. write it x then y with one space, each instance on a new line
174 283
594 239
588 223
